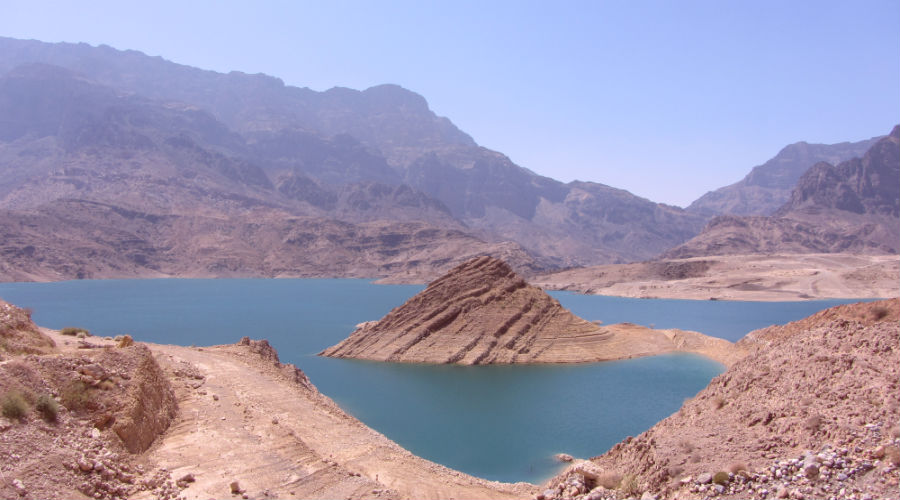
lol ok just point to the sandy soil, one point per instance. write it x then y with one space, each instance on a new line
243 418
739 277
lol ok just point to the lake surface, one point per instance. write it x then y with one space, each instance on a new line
496 422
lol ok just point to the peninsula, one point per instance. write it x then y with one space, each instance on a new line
482 312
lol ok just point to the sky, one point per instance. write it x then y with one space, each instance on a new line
667 99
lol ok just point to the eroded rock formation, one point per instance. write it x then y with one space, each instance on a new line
482 312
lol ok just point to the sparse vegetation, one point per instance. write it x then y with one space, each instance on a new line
813 423
720 477
629 486
75 332
737 467
47 407
718 402
124 341
879 313
14 405
76 395
609 480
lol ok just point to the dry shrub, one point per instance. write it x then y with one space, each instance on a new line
125 341
879 313
609 480
718 402
675 471
720 477
630 486
813 423
75 331
47 407
14 405
686 446
892 455
736 467
76 395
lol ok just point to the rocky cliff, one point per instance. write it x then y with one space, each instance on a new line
853 207
768 186
482 312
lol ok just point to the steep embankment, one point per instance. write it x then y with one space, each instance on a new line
77 413
482 312
811 412
738 277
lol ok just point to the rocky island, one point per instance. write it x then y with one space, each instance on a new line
482 312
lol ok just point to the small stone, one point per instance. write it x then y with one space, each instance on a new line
648 496
811 471
704 478
719 489
95 433
782 492
245 496
563 457
188 478
215 397
275 420
19 486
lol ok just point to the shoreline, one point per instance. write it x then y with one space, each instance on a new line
736 278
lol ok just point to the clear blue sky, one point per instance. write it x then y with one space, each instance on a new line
667 99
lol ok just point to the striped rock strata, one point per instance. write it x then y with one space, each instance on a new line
482 312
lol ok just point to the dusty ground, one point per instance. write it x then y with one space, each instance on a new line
244 418
738 277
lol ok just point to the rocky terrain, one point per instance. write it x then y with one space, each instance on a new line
738 277
853 207
76 416
768 186
103 418
811 412
482 312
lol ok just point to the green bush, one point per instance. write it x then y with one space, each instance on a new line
14 405
75 331
47 407
76 395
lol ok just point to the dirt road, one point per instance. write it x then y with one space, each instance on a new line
242 418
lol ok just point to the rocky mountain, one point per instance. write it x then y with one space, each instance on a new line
87 239
810 412
854 207
311 144
768 186
482 312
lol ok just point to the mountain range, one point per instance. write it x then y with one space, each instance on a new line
852 207
145 167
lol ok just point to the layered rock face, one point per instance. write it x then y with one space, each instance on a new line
482 312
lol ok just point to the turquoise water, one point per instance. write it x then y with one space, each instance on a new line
497 422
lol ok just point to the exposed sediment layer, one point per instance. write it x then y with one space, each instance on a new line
482 312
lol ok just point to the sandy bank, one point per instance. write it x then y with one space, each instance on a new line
765 278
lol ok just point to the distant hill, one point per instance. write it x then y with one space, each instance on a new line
853 207
768 186
308 145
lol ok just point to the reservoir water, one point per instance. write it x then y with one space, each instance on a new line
497 422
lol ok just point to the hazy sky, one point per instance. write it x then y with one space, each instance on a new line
667 99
